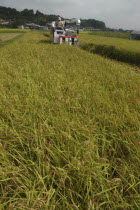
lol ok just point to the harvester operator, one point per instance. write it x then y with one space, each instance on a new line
59 24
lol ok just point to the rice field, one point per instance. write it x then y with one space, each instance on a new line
119 43
119 49
8 36
122 35
69 128
6 30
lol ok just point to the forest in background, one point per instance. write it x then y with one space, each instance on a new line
29 15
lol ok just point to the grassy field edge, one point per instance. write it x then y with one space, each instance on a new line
113 53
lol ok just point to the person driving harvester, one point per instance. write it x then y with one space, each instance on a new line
59 24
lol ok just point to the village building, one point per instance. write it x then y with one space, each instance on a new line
43 28
3 22
21 27
31 26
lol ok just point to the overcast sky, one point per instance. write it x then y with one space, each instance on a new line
115 13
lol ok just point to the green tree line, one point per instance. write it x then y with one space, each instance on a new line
93 23
28 15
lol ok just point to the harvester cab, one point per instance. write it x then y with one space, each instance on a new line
62 34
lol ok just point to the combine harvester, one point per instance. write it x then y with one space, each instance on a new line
61 34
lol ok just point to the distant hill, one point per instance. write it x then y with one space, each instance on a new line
28 15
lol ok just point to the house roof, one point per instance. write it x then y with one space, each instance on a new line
135 32
2 20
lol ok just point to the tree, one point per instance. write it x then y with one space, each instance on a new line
27 12
28 15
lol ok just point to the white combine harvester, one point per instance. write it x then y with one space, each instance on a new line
65 35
